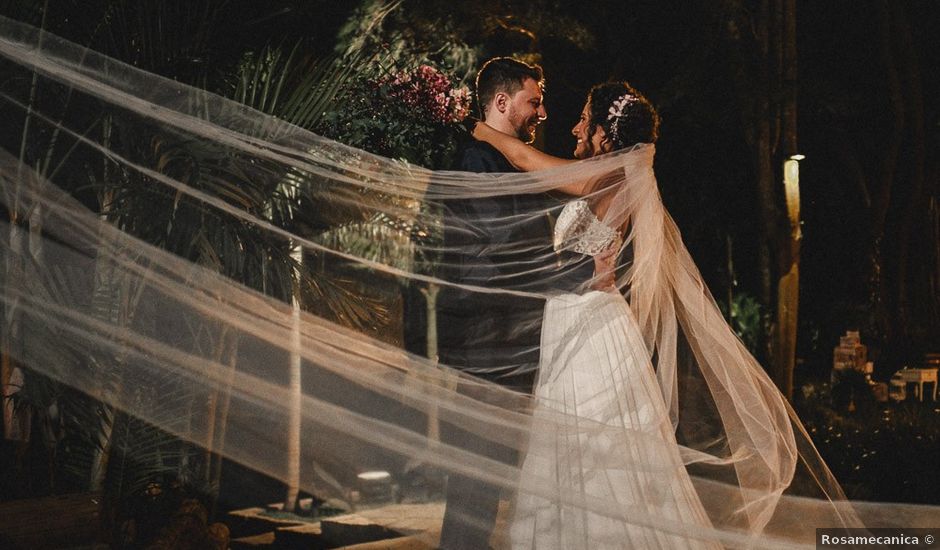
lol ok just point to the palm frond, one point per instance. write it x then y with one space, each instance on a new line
294 86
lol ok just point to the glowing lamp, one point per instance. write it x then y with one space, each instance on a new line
791 182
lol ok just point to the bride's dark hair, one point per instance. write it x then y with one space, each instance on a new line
625 114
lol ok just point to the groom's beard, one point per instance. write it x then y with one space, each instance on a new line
526 135
526 132
525 129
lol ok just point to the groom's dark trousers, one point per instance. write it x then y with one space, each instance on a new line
492 336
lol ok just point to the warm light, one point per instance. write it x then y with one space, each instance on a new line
791 181
791 173
797 157
374 476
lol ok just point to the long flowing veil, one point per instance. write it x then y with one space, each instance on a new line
115 182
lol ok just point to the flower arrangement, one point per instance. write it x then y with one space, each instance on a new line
411 114
430 91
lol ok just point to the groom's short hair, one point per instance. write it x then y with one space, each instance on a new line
503 74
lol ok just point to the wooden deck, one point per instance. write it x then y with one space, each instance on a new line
394 526
72 521
390 527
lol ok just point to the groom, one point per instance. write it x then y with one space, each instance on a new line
493 336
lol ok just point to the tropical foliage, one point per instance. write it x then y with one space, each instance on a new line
92 445
407 114
745 318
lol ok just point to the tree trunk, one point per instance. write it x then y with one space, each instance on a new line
430 295
788 286
915 207
296 399
764 46
215 472
881 195
212 407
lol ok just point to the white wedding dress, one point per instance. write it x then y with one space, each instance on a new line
617 442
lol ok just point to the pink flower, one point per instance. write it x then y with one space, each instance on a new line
428 91
459 103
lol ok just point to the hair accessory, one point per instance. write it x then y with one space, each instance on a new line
616 112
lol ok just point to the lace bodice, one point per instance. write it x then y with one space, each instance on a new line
578 229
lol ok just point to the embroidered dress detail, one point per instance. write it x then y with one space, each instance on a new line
579 229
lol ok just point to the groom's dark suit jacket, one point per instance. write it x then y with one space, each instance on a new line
500 243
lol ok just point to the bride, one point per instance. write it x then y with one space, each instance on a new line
595 365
